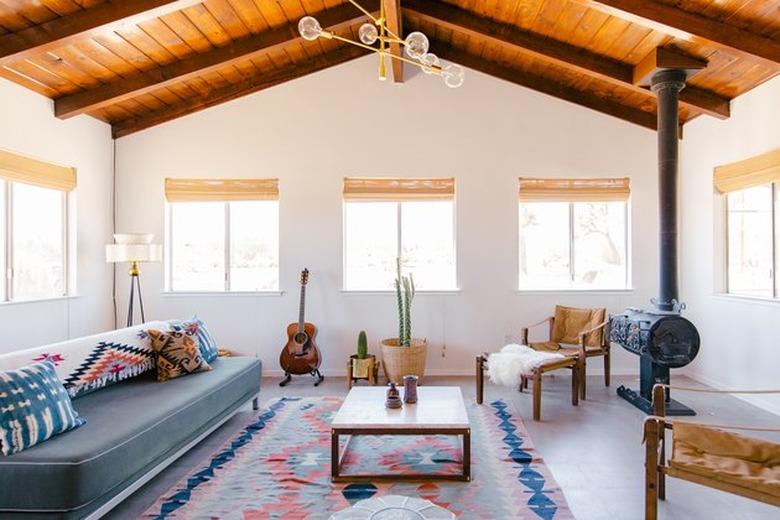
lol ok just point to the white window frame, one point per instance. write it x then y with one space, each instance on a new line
399 248
6 295
774 186
168 257
627 286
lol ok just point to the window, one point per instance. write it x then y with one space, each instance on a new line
417 227
577 243
750 189
33 228
751 244
223 245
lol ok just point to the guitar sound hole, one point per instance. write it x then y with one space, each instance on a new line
301 338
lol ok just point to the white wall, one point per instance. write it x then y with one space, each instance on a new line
29 127
340 122
740 337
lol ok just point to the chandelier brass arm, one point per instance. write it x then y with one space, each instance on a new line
415 45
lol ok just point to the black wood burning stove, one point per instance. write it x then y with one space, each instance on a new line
662 338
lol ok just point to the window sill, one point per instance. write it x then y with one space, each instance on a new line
40 300
222 294
757 300
358 292
573 291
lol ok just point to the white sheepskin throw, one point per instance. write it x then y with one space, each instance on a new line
506 367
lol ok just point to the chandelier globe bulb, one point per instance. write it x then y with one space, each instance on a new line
454 75
429 61
368 33
416 45
309 28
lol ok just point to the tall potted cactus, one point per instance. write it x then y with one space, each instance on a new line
404 355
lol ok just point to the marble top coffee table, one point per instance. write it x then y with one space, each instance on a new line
439 411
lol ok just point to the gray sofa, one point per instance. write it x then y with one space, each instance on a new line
134 429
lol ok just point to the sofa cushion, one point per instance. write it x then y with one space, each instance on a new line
93 362
206 343
177 354
34 407
130 429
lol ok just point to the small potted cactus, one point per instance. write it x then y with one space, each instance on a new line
404 355
362 363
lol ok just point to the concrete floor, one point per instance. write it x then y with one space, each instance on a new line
594 451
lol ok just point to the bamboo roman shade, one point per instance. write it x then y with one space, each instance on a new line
762 169
220 190
378 189
19 168
534 189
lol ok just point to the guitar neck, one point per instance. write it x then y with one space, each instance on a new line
301 308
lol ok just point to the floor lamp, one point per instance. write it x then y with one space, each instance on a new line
134 249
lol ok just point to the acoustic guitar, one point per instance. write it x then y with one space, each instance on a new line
300 355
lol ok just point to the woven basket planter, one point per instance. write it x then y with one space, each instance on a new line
403 361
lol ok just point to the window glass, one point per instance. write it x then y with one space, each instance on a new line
600 245
750 269
544 245
254 246
38 242
371 245
198 246
428 244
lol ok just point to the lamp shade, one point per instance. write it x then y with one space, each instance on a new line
133 248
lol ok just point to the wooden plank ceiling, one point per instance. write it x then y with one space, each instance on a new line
139 63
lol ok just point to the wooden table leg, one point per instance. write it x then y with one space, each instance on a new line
575 385
334 454
537 395
480 379
467 455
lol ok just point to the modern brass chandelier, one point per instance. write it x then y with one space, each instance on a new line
415 45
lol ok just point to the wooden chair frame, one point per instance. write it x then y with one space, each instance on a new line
584 353
657 467
571 363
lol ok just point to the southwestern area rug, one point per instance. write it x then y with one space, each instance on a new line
278 466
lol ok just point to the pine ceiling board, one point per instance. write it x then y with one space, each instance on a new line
645 46
247 68
175 93
35 12
227 17
250 15
11 21
150 102
178 22
548 16
103 56
125 50
132 106
167 38
588 27
63 68
138 38
568 21
272 14
61 7
231 74
116 113
626 42
101 115
73 55
608 34
207 25
27 82
45 77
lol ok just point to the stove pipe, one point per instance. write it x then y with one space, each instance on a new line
667 85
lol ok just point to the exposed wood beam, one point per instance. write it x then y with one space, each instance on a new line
661 58
395 25
231 92
688 25
549 87
560 53
83 24
86 101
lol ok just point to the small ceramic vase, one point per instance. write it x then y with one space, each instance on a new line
410 389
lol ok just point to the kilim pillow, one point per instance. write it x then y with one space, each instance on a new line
177 354
208 347
34 406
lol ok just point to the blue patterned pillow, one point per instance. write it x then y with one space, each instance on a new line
34 406
208 347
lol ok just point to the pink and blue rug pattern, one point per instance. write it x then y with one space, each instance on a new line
279 467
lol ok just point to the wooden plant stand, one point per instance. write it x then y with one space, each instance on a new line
373 371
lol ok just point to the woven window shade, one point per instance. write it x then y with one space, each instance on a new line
762 169
19 168
220 190
574 190
378 189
